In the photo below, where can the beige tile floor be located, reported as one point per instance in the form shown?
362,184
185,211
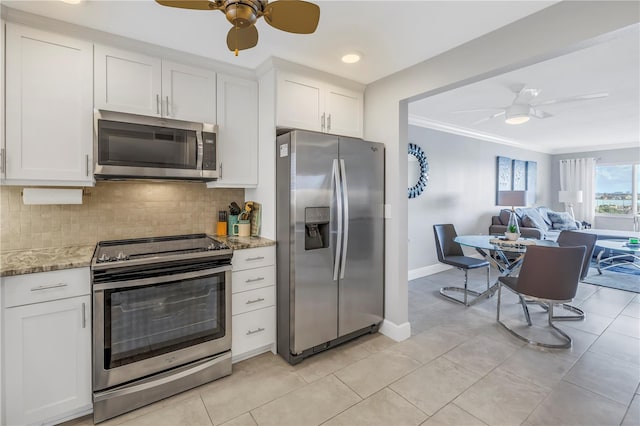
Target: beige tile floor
458,368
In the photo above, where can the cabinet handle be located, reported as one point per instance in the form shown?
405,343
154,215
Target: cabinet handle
253,280
158,103
259,299
48,287
329,122
254,258
168,113
257,330
84,316
220,170
87,163
322,122
2,160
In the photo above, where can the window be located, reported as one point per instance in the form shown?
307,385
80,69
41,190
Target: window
617,188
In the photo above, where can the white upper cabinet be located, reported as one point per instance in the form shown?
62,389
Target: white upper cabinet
310,104
127,81
49,127
237,132
188,93
139,84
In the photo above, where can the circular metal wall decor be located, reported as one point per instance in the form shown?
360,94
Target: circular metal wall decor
423,176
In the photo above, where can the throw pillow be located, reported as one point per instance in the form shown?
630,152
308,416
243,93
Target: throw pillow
532,222
535,217
504,216
562,221
544,212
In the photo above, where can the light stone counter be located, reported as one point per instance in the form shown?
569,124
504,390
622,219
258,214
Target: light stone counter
18,262
239,243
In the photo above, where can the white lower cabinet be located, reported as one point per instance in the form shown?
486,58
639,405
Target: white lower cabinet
253,302
47,347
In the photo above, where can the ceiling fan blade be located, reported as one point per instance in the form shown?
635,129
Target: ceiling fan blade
574,99
497,114
477,110
189,4
242,38
538,113
294,16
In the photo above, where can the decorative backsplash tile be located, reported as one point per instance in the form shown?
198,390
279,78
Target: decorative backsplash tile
113,210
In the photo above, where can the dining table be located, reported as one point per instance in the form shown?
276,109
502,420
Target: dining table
504,254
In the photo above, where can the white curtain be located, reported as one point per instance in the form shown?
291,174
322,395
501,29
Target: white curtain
579,175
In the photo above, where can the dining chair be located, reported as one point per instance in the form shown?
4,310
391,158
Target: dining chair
549,276
450,253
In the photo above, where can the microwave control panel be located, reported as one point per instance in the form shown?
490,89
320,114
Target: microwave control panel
209,154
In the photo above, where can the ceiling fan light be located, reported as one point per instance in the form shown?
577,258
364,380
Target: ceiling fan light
521,119
351,58
517,114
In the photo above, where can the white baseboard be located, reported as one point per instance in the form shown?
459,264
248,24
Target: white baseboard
396,332
434,269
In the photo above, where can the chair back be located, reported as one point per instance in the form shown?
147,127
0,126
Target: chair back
551,272
445,246
572,239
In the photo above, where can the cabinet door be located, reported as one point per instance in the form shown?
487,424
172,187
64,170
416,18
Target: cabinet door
48,358
127,82
49,80
344,112
237,132
300,102
188,93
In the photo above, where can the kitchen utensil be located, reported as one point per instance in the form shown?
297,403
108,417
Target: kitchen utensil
234,208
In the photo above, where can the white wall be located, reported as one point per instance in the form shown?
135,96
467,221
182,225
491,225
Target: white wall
563,27
461,190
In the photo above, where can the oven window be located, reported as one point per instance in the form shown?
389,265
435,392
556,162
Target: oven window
139,145
143,322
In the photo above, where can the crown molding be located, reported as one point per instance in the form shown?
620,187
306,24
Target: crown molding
416,120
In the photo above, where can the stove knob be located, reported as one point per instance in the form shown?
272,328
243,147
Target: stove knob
211,246
103,258
121,256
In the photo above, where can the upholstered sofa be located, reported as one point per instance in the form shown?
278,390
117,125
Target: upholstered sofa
536,222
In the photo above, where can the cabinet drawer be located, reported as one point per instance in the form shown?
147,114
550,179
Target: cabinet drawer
251,279
253,300
253,258
253,330
45,286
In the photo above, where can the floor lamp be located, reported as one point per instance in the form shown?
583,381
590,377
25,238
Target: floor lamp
570,198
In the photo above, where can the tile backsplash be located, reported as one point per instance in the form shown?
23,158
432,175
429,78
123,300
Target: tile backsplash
113,210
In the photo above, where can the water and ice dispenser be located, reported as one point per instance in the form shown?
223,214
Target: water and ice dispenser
316,227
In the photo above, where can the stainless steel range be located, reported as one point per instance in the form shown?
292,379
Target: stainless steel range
161,319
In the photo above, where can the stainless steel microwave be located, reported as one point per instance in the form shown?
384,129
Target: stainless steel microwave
139,147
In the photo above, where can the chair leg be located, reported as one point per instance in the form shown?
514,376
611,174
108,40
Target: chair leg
488,277
564,337
580,315
465,291
499,295
525,309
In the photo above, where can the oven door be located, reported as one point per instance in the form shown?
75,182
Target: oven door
145,326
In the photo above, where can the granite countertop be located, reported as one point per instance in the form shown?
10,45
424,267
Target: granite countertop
29,261
18,262
239,243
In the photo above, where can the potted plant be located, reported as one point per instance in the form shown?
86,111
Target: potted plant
513,233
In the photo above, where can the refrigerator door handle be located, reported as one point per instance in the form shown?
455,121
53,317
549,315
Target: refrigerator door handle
345,193
338,192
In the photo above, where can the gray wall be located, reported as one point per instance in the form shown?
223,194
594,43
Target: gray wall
461,188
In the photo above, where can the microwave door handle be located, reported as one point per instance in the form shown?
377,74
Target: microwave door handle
199,152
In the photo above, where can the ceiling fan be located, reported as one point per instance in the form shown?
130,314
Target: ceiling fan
294,16
524,105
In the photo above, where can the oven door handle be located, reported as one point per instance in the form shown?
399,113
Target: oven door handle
159,280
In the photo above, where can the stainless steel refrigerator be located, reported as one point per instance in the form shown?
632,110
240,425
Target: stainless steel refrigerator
330,232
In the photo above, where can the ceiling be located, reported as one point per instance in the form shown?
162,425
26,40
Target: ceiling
612,66
390,35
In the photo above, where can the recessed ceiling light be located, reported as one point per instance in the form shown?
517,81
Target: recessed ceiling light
351,58
73,1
